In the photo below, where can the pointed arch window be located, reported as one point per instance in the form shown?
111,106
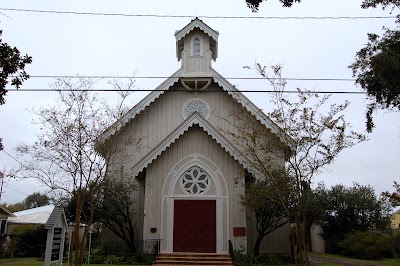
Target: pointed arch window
197,46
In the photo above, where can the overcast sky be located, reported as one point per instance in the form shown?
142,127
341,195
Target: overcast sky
66,44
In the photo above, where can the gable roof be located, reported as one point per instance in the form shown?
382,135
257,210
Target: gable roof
197,23
4,211
38,215
53,218
139,107
193,119
221,81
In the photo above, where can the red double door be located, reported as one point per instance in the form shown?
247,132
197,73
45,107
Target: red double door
195,226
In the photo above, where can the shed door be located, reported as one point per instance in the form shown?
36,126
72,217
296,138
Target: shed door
195,226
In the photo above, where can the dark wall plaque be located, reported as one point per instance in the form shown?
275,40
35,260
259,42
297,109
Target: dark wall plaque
239,231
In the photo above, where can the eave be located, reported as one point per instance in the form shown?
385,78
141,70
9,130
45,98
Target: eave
194,119
139,107
218,79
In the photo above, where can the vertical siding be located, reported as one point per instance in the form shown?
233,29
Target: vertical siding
165,114
197,141
277,242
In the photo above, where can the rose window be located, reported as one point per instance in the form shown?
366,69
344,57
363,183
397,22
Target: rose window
196,105
195,181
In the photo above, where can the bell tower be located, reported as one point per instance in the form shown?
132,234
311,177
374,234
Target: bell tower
196,47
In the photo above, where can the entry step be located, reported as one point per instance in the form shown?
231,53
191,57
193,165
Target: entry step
193,259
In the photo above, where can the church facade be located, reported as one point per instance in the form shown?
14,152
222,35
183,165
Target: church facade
188,165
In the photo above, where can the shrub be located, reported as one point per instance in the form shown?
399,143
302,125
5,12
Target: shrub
30,240
112,260
241,257
366,245
395,245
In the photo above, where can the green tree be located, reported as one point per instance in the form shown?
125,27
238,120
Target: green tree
36,199
377,66
255,4
33,200
268,212
119,211
14,207
348,209
11,63
393,197
377,71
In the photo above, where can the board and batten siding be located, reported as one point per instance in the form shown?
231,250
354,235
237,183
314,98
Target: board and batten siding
164,115
277,243
195,141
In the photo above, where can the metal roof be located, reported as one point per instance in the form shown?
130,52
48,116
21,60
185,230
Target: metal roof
38,215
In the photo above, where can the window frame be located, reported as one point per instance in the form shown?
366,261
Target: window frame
192,54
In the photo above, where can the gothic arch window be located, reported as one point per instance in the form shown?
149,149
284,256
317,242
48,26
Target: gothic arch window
196,46
196,105
195,181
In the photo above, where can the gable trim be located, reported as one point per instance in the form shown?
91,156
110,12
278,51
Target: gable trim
196,23
251,107
194,119
221,81
139,107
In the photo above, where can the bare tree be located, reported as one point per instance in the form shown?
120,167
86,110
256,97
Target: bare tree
311,133
63,156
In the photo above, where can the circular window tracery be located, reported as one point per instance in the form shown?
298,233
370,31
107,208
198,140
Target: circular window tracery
195,181
196,105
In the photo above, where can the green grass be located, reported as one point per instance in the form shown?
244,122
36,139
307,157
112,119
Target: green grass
383,261
35,262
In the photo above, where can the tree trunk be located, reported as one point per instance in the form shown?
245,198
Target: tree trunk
256,250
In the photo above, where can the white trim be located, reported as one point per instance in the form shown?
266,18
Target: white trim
226,86
168,194
198,100
139,107
192,46
193,119
197,23
251,107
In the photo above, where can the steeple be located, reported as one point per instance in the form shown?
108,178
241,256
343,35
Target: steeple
196,46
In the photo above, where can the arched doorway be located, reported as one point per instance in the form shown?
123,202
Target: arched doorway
194,208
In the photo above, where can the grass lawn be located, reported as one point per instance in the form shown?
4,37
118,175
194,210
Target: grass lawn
336,259
35,262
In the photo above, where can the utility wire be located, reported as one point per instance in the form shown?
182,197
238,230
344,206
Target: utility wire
186,16
164,77
23,165
176,90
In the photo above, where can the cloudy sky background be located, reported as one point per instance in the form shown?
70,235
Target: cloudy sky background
66,44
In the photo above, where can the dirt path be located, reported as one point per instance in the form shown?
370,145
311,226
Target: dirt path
316,259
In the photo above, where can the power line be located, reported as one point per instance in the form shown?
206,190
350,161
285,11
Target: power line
186,16
176,90
165,77
7,186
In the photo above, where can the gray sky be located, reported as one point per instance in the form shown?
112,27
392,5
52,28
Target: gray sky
62,44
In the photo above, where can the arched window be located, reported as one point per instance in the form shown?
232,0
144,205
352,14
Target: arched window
196,47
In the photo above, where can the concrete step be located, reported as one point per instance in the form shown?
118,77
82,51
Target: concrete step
193,259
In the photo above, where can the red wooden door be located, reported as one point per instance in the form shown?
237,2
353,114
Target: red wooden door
195,226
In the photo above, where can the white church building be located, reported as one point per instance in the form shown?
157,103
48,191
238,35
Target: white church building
189,168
